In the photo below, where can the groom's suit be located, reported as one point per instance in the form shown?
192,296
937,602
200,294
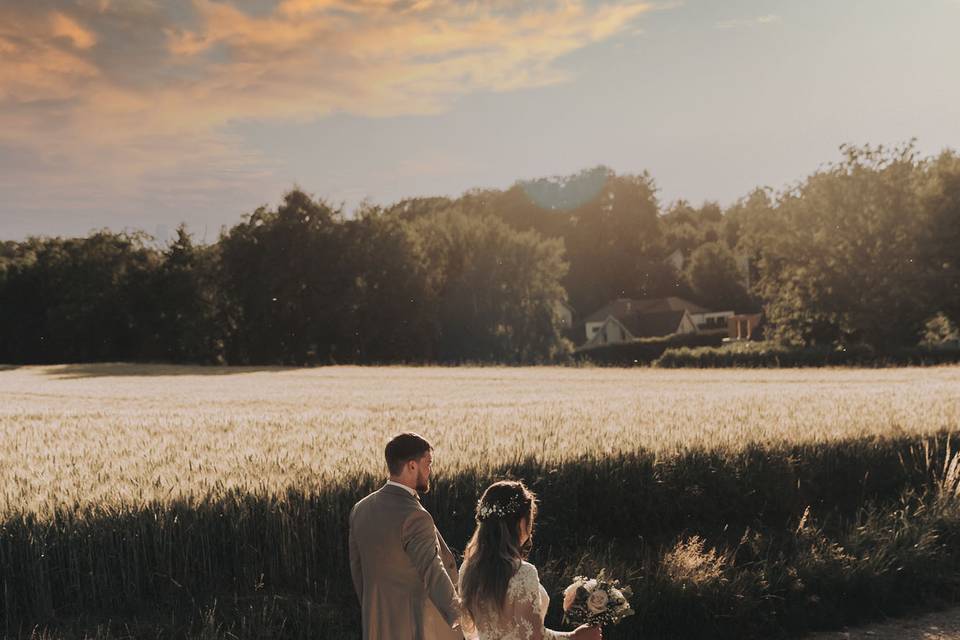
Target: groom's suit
403,571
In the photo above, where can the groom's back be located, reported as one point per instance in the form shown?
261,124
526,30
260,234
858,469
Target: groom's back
376,524
390,534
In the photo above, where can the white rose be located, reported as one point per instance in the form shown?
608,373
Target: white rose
597,602
590,584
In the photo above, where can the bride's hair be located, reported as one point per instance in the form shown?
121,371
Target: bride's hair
494,552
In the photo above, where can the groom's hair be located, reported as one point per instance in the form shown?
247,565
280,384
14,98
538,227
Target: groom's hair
403,448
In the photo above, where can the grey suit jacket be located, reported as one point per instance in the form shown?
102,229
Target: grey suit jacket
403,571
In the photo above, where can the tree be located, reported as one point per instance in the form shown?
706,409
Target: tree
390,317
285,278
189,291
79,299
941,195
714,278
842,259
494,290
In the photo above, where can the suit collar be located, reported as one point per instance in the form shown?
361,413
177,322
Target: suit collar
412,492
392,489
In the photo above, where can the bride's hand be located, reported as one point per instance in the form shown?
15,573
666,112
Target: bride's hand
584,632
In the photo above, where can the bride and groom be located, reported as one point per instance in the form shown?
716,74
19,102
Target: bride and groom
407,579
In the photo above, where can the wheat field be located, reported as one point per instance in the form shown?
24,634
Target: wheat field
192,502
77,435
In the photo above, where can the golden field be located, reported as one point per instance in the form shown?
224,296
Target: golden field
98,434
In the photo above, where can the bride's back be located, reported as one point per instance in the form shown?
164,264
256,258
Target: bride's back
519,616
501,591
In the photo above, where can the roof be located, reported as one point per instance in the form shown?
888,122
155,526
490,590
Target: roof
622,307
649,325
618,308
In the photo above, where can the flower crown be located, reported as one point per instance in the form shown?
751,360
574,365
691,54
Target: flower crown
514,505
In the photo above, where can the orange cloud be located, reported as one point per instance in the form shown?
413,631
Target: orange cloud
383,57
63,26
41,60
138,107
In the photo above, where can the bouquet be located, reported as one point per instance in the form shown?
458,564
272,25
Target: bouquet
596,601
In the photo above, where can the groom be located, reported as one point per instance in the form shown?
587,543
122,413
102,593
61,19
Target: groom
403,571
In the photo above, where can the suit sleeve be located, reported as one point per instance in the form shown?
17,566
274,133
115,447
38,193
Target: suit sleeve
356,571
419,538
449,562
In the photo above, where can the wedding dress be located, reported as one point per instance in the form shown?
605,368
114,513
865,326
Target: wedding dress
523,613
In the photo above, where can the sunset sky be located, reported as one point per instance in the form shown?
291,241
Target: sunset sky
145,113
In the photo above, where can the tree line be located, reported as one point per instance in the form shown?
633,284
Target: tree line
863,251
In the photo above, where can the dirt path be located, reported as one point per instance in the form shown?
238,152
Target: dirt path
944,625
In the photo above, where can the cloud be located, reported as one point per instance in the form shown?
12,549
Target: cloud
108,96
746,23
63,26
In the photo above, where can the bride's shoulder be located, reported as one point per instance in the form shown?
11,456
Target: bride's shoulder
525,583
527,571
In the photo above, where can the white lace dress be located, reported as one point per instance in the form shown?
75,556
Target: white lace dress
523,612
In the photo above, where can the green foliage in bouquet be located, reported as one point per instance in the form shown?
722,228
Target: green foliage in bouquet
598,602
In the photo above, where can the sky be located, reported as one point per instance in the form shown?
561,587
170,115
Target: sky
142,114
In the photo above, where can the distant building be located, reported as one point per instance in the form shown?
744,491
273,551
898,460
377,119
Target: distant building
744,326
627,319
646,325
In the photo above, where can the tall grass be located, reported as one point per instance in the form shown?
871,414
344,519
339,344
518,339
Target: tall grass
696,550
161,502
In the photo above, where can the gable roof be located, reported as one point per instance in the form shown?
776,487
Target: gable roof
618,308
650,325
622,307
659,305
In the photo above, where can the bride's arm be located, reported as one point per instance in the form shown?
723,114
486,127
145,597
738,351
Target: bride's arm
527,607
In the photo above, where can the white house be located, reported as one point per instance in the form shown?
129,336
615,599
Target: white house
641,325
628,319
712,320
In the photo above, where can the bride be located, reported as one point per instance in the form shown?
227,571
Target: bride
501,592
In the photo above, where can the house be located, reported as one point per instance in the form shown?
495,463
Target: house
712,321
744,326
640,325
653,317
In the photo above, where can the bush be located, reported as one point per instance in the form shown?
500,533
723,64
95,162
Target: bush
940,333
769,355
645,350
